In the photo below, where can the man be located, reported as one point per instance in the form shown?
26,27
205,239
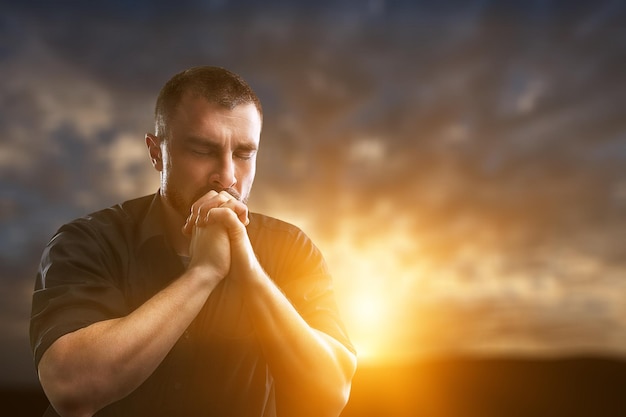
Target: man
183,303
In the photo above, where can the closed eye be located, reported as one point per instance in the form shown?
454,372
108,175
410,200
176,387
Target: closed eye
244,156
202,152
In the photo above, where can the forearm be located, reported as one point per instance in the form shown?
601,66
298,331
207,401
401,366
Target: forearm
92,367
312,370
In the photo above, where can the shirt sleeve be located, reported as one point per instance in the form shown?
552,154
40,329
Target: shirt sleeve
297,266
75,286
312,293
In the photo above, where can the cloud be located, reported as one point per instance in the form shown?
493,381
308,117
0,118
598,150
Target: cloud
129,172
43,85
468,169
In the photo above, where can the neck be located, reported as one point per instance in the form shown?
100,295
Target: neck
174,223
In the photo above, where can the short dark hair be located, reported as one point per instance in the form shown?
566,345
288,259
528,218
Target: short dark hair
217,85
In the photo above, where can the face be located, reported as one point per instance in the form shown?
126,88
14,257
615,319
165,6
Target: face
208,148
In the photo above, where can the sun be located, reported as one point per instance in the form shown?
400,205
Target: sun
366,315
374,285
368,308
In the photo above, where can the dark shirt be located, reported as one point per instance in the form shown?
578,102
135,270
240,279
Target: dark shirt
107,264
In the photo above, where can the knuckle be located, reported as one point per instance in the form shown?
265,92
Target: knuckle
226,195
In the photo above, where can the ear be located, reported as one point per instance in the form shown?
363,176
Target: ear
154,149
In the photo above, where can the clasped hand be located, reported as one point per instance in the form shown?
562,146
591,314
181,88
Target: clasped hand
218,234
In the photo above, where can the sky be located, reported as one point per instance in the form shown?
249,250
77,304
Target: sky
461,164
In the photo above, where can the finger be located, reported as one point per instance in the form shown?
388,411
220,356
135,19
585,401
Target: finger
240,209
204,217
208,201
226,217
188,226
200,208
228,195
195,210
205,203
237,233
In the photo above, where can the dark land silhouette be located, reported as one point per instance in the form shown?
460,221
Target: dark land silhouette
458,387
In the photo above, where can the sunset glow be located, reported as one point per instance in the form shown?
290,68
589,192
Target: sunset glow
401,300
375,287
367,316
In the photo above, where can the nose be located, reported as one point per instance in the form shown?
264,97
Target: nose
224,174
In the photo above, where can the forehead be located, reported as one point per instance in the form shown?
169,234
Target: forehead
196,115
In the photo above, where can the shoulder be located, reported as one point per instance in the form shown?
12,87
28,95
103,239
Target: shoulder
264,228
263,222
127,212
282,246
119,215
110,227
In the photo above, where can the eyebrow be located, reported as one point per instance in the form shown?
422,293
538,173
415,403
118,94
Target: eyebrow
208,144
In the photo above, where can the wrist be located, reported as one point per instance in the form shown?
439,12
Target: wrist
205,276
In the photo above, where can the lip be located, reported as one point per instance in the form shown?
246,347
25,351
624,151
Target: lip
232,192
